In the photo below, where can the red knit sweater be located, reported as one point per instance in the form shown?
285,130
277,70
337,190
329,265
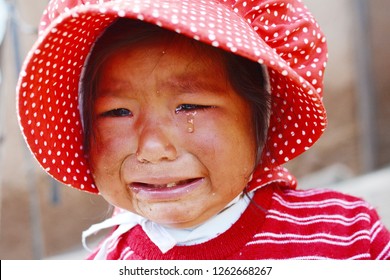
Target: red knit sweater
298,224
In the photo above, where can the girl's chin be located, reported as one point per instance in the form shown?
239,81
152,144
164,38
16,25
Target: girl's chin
175,216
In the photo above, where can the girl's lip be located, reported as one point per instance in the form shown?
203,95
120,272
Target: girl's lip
165,192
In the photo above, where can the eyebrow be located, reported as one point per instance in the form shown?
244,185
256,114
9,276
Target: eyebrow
187,84
191,83
114,87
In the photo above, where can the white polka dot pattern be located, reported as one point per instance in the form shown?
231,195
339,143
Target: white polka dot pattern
280,34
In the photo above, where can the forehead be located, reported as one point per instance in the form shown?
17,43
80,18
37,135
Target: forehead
165,42
175,58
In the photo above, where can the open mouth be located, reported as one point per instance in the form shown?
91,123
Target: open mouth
177,184
171,191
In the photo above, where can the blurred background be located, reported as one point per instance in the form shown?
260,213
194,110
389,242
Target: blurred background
40,219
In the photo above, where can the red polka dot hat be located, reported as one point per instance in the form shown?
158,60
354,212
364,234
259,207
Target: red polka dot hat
280,34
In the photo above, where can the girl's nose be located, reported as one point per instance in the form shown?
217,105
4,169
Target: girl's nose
155,145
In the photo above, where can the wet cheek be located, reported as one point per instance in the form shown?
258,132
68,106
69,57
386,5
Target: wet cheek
108,150
113,139
222,144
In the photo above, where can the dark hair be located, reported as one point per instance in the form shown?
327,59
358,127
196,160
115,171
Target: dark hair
246,77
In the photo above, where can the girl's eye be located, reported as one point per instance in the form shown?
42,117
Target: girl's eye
120,112
190,107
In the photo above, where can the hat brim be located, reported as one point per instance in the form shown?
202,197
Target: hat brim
48,102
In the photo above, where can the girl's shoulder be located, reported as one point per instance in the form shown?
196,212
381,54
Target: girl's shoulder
322,224
318,195
321,201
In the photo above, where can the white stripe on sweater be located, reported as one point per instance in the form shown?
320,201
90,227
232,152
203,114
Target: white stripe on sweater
385,253
309,258
126,253
307,193
312,238
360,256
315,240
331,219
355,257
321,203
376,228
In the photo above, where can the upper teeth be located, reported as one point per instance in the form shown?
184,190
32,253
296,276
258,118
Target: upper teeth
170,185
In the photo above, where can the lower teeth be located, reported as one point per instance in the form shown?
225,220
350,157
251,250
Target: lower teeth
170,185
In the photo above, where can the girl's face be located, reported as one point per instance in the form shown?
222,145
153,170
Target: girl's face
173,142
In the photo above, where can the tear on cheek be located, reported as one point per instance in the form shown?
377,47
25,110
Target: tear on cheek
190,122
